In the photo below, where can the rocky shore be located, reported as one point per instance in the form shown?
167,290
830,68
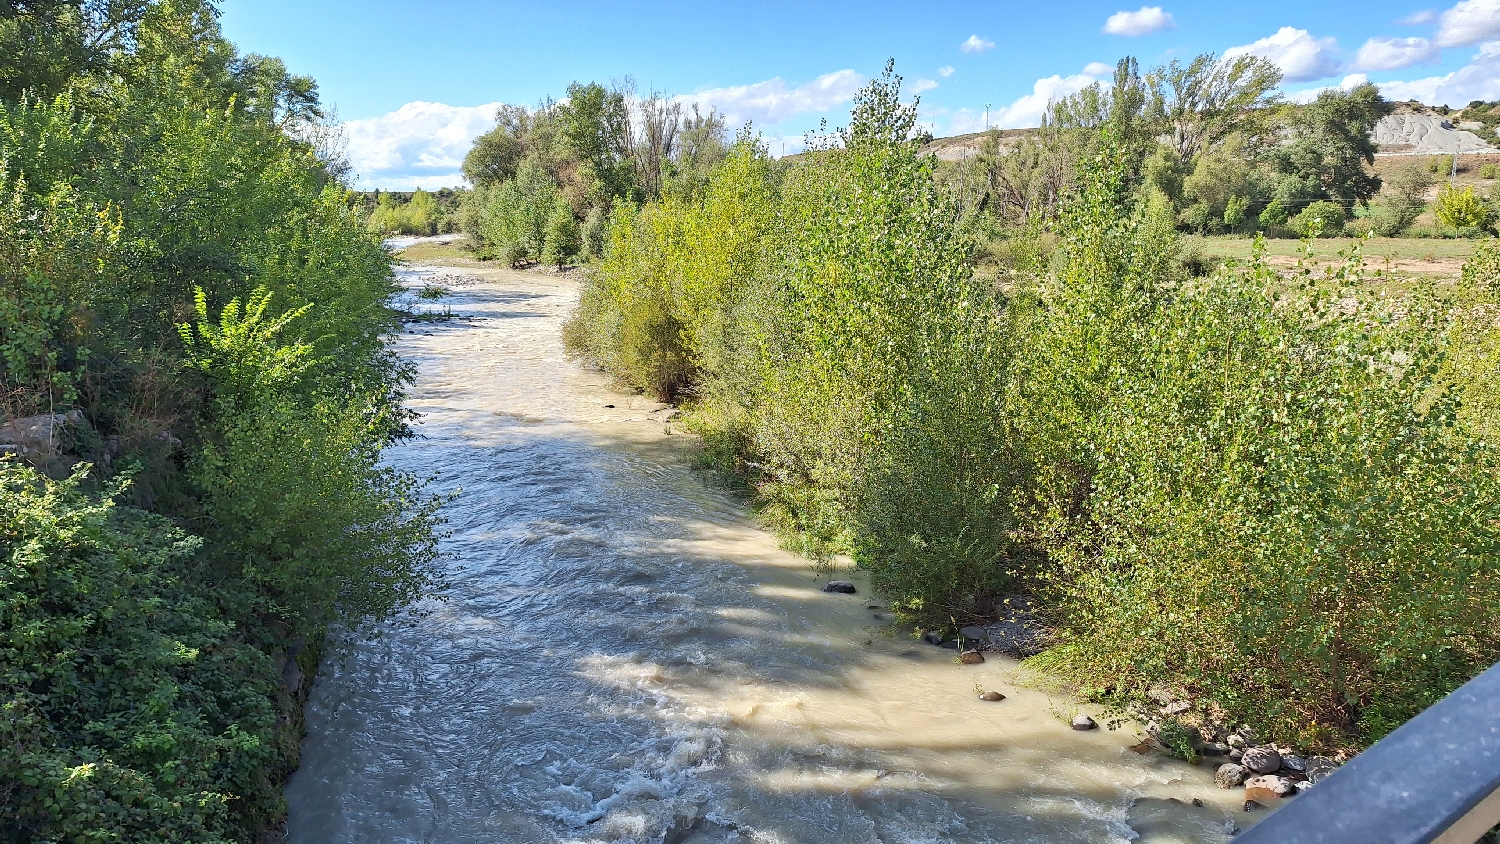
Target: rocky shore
1267,772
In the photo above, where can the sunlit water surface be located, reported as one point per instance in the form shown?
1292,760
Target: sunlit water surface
621,655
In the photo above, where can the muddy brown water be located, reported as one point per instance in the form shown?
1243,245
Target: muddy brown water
622,655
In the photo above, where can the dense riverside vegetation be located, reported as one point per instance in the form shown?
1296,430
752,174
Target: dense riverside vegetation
546,180
192,315
1277,494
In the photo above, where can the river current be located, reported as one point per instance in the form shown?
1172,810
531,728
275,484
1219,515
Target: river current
621,655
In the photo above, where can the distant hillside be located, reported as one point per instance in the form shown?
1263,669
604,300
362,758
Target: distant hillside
1410,129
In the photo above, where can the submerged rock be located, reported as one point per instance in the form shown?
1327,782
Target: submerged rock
971,657
1083,722
841,586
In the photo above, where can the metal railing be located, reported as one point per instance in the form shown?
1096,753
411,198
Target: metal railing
1435,779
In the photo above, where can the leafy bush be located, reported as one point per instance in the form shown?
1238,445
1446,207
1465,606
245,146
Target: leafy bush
134,709
1279,498
138,664
1319,219
418,216
1274,215
562,236
1460,209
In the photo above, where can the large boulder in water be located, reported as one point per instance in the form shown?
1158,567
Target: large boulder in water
841,586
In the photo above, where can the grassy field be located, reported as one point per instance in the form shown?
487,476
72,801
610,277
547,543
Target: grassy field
447,254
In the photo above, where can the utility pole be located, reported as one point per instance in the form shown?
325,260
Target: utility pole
986,117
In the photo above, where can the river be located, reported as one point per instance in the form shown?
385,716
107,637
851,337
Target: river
622,655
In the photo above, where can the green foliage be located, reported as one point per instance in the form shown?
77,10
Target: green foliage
563,238
1330,149
133,708
1280,500
1460,209
594,125
1319,219
1402,201
512,217
419,216
136,663
1274,215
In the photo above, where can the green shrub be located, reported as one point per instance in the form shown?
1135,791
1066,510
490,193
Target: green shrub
1489,171
1319,219
418,215
1198,218
1461,209
1259,500
1274,215
562,237
138,670
1280,500
134,709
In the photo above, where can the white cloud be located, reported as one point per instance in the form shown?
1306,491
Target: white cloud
1028,110
772,101
1395,53
1144,21
945,71
1469,22
923,85
975,44
1477,80
1419,18
1300,56
1099,69
418,145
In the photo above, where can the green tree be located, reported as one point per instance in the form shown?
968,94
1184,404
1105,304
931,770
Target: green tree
1199,105
497,154
1460,209
562,237
1402,200
594,124
1330,149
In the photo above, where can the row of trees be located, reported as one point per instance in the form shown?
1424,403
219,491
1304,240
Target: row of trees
547,179
1218,145
194,311
1279,498
417,213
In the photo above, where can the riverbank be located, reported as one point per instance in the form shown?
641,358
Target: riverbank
623,654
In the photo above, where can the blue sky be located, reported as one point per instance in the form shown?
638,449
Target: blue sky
416,82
